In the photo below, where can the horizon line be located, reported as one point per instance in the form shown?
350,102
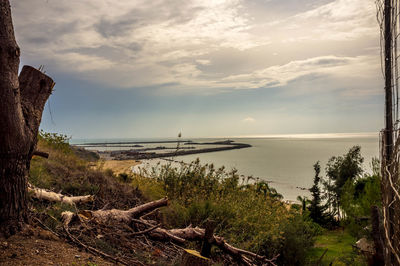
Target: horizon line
259,136
313,135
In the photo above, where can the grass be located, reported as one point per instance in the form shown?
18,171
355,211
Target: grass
340,251
69,171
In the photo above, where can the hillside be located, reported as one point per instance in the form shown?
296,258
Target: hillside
247,213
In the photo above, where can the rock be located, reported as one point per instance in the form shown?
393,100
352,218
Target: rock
365,246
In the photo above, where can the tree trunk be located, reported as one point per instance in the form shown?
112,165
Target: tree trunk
21,106
12,194
378,257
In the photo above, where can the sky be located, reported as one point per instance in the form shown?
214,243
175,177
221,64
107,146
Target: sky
205,68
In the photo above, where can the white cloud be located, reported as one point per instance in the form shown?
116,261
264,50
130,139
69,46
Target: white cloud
249,120
342,68
167,36
203,61
339,20
185,45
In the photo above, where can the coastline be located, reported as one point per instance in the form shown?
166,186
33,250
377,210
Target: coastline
118,166
139,152
284,163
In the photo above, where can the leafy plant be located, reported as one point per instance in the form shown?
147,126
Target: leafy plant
249,213
316,208
339,170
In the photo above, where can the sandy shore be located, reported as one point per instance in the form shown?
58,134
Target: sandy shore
119,166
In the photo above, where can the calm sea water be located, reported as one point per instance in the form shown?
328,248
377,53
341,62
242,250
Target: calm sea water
285,162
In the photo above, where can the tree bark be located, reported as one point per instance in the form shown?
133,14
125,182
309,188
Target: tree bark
378,257
21,106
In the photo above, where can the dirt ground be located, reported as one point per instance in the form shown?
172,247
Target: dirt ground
40,247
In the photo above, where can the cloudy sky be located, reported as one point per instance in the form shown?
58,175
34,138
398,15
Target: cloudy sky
139,68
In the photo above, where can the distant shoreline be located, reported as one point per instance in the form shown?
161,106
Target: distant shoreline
149,153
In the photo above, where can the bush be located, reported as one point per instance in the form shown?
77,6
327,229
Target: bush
299,232
248,213
358,197
55,141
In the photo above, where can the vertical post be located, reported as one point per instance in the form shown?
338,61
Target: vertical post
387,193
388,82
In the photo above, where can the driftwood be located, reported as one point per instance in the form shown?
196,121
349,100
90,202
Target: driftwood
43,194
132,216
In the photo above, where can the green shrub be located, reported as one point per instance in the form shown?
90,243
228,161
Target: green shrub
357,199
299,237
55,140
248,212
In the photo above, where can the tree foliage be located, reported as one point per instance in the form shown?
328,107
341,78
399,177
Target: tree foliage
340,170
316,208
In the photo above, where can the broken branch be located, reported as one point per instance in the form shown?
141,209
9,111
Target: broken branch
43,194
41,154
124,216
178,235
67,218
144,231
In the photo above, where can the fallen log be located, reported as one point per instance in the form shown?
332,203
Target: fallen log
181,235
124,215
43,194
198,234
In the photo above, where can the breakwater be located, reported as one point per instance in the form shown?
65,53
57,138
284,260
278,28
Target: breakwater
182,148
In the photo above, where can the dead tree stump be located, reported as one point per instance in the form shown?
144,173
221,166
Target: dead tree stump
22,100
208,239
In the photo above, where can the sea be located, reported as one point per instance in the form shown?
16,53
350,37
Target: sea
285,161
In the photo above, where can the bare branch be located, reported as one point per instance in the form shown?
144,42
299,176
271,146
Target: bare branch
41,154
43,194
